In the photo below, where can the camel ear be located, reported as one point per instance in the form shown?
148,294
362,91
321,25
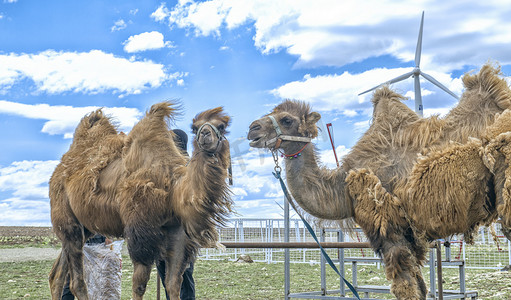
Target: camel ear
310,121
313,117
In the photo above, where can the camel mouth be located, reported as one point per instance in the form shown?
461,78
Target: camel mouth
258,141
255,142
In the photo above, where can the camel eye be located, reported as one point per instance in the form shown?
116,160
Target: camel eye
221,127
194,130
286,121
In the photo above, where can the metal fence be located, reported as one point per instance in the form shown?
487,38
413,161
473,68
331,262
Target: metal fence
486,253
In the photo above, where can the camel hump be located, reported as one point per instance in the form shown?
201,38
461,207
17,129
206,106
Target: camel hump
163,109
489,80
95,116
155,120
95,124
385,93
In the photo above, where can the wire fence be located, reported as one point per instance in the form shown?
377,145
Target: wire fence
488,252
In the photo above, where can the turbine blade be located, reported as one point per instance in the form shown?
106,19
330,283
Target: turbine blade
418,50
394,80
418,97
435,82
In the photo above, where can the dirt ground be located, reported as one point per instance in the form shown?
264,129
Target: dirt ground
23,235
24,243
25,231
28,254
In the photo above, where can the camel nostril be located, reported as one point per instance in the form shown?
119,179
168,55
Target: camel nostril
254,127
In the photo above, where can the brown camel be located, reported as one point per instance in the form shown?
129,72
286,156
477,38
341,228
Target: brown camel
139,186
374,186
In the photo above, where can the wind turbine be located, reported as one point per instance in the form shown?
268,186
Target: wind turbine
416,72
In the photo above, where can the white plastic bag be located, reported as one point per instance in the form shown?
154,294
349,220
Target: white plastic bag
102,269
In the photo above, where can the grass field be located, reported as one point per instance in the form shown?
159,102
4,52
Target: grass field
231,280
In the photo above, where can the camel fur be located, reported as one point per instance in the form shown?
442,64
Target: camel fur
407,180
497,157
140,187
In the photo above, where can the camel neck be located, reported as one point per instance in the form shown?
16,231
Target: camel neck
318,190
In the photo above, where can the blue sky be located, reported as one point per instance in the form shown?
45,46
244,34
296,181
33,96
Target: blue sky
62,59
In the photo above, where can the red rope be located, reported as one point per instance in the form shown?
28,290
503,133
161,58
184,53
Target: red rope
294,155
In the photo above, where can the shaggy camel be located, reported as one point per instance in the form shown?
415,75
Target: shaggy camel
140,187
364,188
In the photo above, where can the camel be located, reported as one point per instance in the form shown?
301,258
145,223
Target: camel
140,187
378,184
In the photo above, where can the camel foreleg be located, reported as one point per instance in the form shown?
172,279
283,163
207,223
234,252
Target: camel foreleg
74,254
381,216
69,264
57,277
176,261
141,275
404,272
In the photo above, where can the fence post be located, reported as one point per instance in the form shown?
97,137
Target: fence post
236,229
287,279
323,261
340,238
509,252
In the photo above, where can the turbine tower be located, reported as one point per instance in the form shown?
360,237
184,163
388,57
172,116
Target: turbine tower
416,72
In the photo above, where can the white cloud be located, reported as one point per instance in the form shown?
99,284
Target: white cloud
118,25
80,72
64,119
27,179
335,33
145,41
428,112
340,92
362,126
24,212
253,172
260,208
207,17
27,182
161,13
327,157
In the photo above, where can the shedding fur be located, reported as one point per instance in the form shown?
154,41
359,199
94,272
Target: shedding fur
140,187
408,180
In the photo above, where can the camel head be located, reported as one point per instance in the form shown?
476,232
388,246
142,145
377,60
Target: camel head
209,128
289,122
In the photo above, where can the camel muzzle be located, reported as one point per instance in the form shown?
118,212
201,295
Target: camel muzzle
206,138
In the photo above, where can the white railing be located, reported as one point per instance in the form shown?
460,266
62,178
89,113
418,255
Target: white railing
486,253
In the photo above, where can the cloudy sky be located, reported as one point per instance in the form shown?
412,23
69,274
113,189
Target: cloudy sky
62,59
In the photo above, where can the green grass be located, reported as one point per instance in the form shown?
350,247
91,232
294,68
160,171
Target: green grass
230,280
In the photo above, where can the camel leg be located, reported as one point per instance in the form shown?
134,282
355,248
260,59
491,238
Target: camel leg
70,262
401,267
141,275
57,277
74,251
506,231
176,261
423,289
175,267
379,214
